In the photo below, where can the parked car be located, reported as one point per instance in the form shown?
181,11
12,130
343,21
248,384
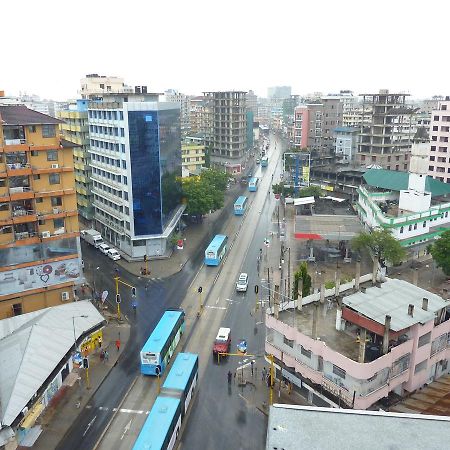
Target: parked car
113,254
104,248
222,343
242,283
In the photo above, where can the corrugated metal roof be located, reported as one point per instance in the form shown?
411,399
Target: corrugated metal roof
397,181
21,115
392,299
32,345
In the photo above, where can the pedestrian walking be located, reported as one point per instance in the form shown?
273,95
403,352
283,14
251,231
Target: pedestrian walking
252,363
106,356
264,374
118,344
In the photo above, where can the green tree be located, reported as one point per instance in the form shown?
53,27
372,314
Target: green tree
382,244
440,251
216,178
310,191
301,274
197,196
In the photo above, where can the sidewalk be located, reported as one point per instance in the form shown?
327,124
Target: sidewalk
58,418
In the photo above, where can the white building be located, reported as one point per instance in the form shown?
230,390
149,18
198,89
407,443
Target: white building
346,143
135,149
94,84
412,205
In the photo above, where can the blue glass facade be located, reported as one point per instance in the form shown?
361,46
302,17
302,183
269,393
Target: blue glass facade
155,155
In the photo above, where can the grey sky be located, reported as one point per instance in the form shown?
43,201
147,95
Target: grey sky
202,45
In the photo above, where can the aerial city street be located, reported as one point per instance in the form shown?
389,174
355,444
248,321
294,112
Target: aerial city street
219,246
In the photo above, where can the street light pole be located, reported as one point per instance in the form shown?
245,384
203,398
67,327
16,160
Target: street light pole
74,335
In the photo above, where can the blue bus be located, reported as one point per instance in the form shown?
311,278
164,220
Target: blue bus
264,161
182,380
216,250
160,346
253,184
239,205
162,426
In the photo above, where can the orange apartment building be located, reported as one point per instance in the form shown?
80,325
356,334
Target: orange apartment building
40,261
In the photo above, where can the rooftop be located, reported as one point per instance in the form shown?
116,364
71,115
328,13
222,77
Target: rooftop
292,427
397,181
392,298
21,115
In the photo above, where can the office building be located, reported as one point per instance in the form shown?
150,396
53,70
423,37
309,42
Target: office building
227,137
439,153
135,148
39,236
76,129
389,135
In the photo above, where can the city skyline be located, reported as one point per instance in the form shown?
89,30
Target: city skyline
313,47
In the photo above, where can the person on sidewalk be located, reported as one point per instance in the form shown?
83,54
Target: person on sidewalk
106,356
118,344
252,363
264,374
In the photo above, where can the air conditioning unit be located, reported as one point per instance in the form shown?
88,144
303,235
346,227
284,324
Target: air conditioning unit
65,296
45,234
55,166
56,211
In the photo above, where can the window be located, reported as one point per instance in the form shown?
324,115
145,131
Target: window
58,223
288,342
125,180
39,200
48,131
122,148
52,155
433,148
420,366
435,128
6,230
34,153
41,221
443,107
4,206
36,177
124,164
431,168
415,226
305,352
339,372
17,309
397,167
56,201
432,158
424,224
424,339
405,166
389,159
122,132
125,195
54,178
401,229
409,227
32,128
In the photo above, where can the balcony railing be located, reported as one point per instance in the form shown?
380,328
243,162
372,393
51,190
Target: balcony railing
23,212
25,235
17,165
17,190
15,141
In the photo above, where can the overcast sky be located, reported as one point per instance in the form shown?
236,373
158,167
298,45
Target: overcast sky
201,45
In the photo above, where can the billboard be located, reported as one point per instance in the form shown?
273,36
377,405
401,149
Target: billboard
40,276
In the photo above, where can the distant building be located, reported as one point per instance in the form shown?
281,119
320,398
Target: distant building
360,343
185,108
192,155
76,129
386,141
252,102
279,92
227,137
40,264
346,143
331,118
308,126
439,161
135,147
94,84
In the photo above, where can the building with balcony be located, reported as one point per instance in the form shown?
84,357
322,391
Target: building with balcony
76,129
227,140
308,126
360,343
39,235
414,206
346,143
439,153
192,155
386,141
135,148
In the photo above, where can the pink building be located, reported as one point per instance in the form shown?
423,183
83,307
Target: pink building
439,159
301,125
362,346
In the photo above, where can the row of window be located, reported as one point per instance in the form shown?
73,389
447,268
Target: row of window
52,155
109,161
108,145
440,159
105,115
118,208
117,222
110,176
110,131
411,226
444,129
110,190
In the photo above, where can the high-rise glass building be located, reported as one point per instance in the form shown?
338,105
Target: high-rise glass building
135,146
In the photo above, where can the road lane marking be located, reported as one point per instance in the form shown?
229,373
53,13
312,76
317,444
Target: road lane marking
215,307
131,411
126,429
217,301
89,426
